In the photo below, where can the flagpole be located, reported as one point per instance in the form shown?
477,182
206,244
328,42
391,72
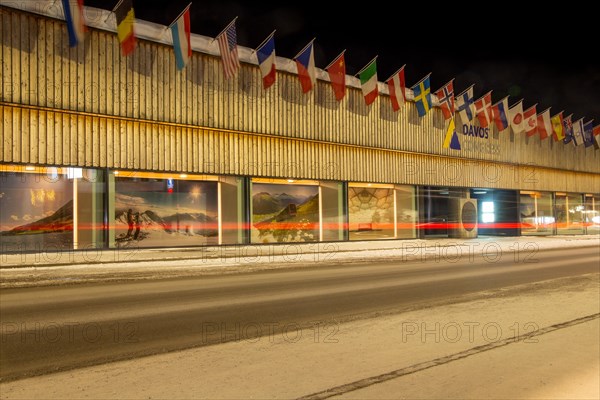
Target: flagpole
445,84
264,41
504,98
365,67
305,47
517,103
335,59
113,10
224,30
180,14
466,90
399,69
425,77
117,6
490,92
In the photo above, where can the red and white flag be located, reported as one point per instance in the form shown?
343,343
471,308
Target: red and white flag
397,88
544,125
516,117
446,98
483,109
530,121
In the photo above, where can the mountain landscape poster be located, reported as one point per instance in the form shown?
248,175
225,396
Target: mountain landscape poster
154,212
285,213
37,212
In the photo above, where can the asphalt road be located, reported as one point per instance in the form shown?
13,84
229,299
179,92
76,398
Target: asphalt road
58,328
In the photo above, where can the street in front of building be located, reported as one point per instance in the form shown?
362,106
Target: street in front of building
361,327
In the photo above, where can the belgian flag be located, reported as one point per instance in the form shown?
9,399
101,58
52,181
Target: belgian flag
125,20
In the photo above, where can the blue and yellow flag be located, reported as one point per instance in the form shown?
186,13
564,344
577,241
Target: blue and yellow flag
422,95
451,139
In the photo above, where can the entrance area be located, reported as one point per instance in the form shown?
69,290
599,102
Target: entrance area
498,211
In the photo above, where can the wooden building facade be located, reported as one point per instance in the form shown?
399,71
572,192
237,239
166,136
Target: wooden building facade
89,107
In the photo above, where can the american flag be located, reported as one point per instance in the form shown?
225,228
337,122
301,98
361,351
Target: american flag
228,47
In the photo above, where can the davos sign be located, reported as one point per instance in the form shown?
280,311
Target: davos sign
473,134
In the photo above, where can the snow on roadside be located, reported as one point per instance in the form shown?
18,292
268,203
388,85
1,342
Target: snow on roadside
22,270
304,361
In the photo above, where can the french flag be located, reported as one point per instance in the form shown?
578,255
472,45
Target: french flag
500,114
305,61
266,61
75,22
181,39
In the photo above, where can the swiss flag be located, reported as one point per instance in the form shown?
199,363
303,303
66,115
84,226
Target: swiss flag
544,125
530,118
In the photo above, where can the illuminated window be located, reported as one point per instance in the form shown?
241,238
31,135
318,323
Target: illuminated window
487,212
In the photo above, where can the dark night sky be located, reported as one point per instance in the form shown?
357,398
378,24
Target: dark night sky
544,59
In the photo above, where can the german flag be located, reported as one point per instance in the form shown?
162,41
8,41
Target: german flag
125,18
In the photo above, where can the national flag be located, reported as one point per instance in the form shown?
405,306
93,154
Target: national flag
464,105
596,133
516,117
544,125
337,76
75,21
483,109
445,96
305,61
181,31
265,53
368,81
530,118
588,133
578,132
451,139
500,114
125,26
397,88
422,96
557,127
568,125
228,47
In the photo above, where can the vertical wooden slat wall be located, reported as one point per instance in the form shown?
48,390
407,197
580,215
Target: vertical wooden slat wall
89,106
269,156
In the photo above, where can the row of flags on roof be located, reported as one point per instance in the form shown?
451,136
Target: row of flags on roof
528,121
520,120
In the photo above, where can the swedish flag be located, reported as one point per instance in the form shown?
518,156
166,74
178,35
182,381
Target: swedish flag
422,95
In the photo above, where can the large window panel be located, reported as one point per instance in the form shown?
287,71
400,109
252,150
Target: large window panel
47,208
406,212
333,214
592,214
158,210
370,211
232,207
284,211
568,209
536,212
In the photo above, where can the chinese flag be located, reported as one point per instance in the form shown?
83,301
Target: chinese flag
337,76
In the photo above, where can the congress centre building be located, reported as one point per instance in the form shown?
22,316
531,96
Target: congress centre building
101,150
